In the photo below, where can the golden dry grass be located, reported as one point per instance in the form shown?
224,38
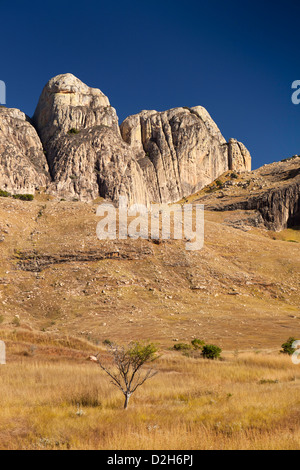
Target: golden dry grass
247,401
240,292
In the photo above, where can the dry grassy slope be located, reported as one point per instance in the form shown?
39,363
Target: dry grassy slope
241,291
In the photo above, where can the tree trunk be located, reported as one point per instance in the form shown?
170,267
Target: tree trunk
127,397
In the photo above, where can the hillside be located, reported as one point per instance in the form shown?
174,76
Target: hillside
241,291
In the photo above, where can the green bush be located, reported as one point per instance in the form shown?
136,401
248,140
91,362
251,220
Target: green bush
4,194
210,351
197,343
234,175
219,183
73,131
24,197
287,347
182,347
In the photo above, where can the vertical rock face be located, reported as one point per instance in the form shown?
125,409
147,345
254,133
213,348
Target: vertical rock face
153,156
181,151
86,154
239,156
23,165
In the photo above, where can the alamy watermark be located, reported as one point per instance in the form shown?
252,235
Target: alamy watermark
296,354
296,94
2,93
159,221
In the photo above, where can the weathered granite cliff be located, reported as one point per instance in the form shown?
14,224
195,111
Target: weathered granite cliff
153,156
86,153
23,165
181,151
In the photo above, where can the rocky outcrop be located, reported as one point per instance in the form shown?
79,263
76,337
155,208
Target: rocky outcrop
272,192
279,204
23,165
239,158
86,154
181,150
153,156
36,262
280,207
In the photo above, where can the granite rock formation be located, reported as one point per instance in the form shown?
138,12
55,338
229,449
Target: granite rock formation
181,151
152,156
239,158
23,165
86,153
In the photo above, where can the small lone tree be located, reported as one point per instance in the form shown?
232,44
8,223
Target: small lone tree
128,361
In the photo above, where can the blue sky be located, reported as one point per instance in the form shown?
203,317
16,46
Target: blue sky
237,59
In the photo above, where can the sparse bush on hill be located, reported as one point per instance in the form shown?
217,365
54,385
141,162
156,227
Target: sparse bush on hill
197,343
207,351
4,193
287,346
73,131
210,351
24,197
182,347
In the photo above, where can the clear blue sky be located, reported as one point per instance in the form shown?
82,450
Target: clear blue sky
236,58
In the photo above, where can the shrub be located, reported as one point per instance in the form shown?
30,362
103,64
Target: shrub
73,131
24,197
197,343
234,175
219,183
182,347
210,351
268,382
4,194
287,347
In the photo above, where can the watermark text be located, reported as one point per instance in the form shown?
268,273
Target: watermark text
159,221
